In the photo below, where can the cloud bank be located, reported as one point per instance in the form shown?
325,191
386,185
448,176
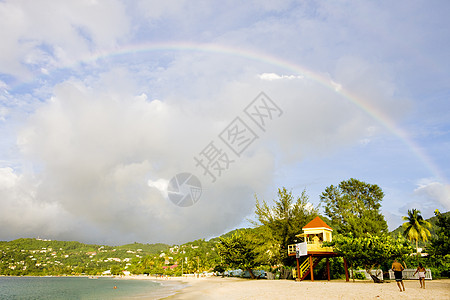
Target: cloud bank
92,134
102,157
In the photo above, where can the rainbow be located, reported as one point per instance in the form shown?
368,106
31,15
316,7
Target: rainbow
367,107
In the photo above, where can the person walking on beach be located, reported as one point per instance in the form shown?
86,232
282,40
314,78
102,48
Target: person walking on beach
398,268
421,270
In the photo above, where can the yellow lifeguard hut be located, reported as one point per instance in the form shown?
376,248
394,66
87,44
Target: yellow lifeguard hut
314,234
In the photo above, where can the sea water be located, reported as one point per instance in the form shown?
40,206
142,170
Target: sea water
50,288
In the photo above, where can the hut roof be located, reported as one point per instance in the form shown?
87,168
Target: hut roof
317,223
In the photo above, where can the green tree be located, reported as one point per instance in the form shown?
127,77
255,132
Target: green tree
116,270
354,206
416,227
282,221
439,247
369,251
239,251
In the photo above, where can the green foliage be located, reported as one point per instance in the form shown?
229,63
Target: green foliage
116,270
219,268
433,230
281,222
337,270
416,228
239,251
359,275
43,257
439,247
370,251
46,257
440,243
354,207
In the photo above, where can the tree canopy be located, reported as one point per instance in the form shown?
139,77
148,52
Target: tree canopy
282,221
354,206
370,251
239,251
439,247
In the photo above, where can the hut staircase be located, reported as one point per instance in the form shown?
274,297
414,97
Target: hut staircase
305,266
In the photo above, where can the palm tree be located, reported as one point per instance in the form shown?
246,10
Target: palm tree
415,227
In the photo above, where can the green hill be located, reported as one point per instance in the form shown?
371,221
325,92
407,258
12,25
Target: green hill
432,220
27,256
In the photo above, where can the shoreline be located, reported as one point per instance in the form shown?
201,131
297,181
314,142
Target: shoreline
173,288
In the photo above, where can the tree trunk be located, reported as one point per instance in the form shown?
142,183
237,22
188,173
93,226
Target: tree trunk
417,249
251,273
374,277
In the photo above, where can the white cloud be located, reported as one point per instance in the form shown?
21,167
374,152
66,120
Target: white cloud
3,113
309,206
52,34
18,202
106,152
160,184
364,142
7,178
98,150
274,76
434,192
106,155
337,86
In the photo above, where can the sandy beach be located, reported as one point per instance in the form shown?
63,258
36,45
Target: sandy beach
235,288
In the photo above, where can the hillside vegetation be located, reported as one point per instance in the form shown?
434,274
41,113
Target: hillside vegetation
434,227
30,256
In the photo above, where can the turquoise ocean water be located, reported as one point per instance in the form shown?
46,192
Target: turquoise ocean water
51,288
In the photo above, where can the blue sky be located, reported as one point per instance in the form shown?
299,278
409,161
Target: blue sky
103,103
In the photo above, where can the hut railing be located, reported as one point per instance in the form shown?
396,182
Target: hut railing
313,247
